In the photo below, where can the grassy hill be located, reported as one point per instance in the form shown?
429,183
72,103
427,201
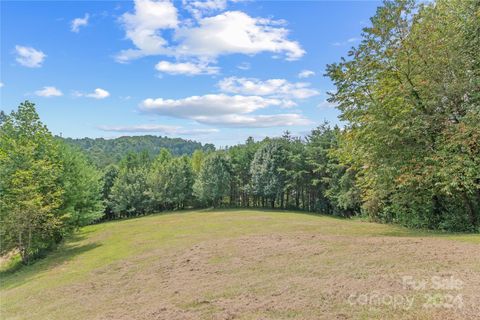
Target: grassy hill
236,264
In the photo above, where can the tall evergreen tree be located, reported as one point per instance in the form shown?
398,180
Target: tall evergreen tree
212,183
268,181
241,157
110,173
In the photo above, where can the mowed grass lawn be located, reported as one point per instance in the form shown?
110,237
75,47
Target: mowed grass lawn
246,264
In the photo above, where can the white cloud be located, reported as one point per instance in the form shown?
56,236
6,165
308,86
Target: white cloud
187,68
1,84
98,93
256,121
29,57
79,22
225,110
143,28
306,74
229,32
49,92
280,88
207,105
235,32
165,129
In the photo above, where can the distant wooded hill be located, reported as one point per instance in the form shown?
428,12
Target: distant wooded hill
103,152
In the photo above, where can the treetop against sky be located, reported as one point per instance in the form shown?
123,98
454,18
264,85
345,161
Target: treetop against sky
215,70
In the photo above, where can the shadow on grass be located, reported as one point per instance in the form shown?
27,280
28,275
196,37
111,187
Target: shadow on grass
19,273
276,210
151,215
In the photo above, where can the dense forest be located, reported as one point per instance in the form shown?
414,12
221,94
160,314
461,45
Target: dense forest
409,154
103,152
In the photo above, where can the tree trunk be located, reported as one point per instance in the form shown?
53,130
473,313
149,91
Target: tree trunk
471,210
303,198
21,247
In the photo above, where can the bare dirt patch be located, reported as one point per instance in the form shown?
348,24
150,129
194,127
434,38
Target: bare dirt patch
296,275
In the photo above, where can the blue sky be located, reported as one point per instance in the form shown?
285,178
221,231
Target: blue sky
215,71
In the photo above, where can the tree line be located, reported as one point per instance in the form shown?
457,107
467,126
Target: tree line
285,173
409,152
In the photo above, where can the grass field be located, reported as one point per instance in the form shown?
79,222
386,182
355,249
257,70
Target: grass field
242,264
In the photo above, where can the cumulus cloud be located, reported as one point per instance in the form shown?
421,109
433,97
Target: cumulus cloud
49,92
280,88
159,128
207,105
224,110
98,93
186,68
144,25
29,57
1,84
206,38
306,74
235,32
79,22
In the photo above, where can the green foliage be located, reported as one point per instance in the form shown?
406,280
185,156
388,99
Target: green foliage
82,203
299,185
103,152
170,181
30,174
267,180
197,160
333,183
109,175
241,157
46,189
410,93
134,160
129,196
213,181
